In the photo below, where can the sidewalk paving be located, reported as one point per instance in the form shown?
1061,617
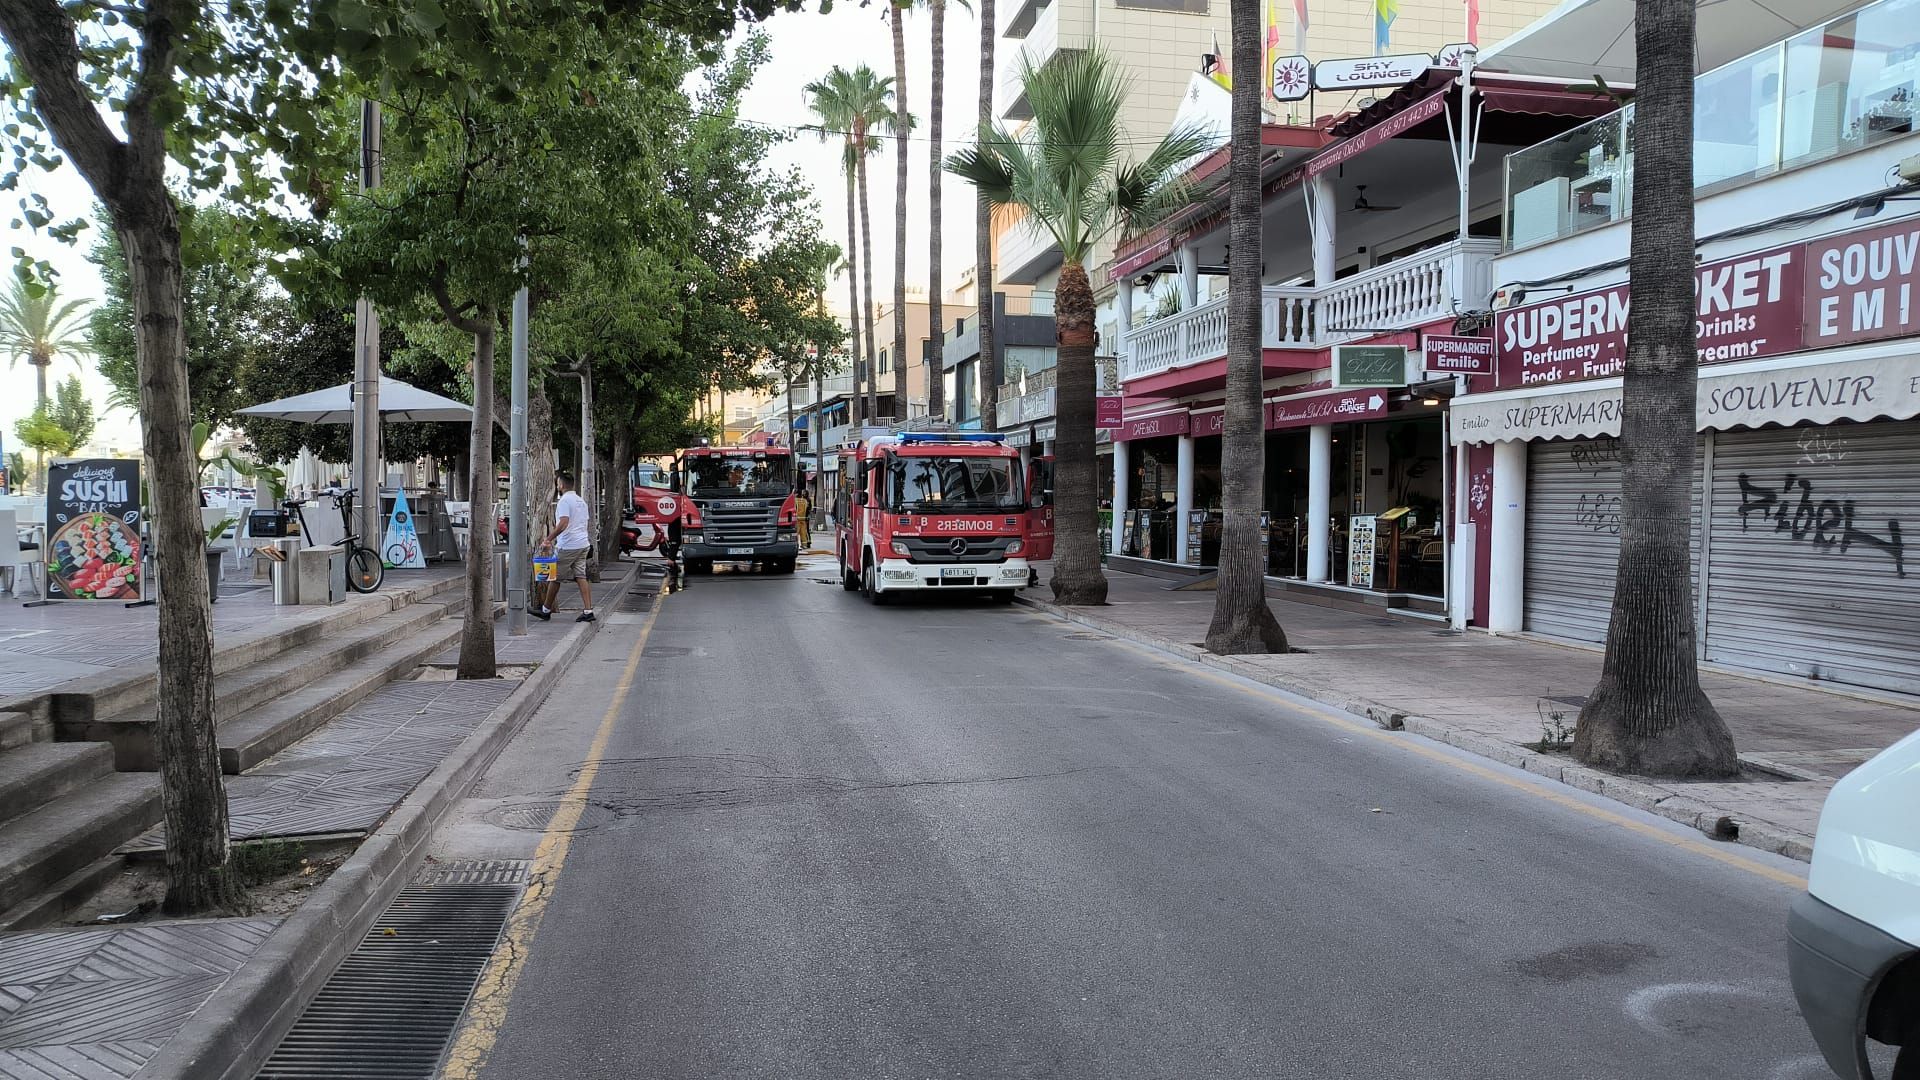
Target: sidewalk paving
1490,695
44,647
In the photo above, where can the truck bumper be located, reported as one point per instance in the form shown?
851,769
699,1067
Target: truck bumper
1836,962
899,575
786,549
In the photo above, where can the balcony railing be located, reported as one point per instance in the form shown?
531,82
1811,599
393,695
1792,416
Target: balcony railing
1404,293
1851,83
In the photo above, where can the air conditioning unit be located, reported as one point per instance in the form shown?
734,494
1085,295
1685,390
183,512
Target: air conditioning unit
1909,169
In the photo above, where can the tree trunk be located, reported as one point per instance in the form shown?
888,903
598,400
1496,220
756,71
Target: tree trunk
199,878
1649,715
1242,620
476,634
854,263
819,429
983,241
614,495
540,467
865,315
900,143
936,95
1077,578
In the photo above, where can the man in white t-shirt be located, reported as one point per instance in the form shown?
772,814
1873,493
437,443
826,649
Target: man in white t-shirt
575,542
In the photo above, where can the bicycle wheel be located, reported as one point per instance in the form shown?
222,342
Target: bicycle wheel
364,570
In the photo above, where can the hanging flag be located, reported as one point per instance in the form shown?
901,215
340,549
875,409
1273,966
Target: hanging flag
1473,22
1270,50
1220,70
1300,26
1384,12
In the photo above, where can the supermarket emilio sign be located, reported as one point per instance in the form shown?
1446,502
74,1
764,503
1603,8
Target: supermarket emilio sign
1854,286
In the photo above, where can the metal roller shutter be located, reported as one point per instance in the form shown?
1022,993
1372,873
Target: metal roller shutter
1806,556
1573,536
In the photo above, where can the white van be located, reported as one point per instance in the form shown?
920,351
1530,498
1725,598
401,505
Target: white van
1853,940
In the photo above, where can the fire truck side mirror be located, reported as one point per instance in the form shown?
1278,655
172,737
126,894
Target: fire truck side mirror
860,498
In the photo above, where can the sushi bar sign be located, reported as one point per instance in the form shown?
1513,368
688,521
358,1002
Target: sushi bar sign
93,518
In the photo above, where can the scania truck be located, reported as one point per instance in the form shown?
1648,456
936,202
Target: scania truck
727,504
924,512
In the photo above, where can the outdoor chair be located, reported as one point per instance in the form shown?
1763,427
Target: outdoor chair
13,557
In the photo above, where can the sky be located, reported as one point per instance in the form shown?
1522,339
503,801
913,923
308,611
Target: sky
805,45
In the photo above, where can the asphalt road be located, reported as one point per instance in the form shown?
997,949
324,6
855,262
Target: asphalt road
837,841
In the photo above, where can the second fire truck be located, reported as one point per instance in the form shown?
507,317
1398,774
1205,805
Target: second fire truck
939,512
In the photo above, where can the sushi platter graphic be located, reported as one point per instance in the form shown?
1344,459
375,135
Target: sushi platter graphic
93,518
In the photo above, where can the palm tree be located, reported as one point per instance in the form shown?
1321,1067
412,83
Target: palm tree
897,17
1242,620
1649,714
983,239
40,330
855,105
936,103
1065,171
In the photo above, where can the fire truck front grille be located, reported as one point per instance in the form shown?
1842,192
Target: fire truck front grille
740,526
940,549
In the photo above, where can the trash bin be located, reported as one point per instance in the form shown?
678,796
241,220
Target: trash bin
286,575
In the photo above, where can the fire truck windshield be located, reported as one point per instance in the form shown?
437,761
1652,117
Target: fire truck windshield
951,483
718,476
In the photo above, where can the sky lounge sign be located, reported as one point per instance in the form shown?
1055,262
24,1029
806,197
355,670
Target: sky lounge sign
1370,71
1341,407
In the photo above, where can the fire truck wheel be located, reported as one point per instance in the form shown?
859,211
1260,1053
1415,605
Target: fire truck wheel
784,566
874,596
699,566
1003,596
848,580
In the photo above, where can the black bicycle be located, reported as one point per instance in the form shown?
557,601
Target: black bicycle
364,568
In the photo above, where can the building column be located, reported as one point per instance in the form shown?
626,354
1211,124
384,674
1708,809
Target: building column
1122,479
1182,497
1507,571
1324,214
1188,260
1319,499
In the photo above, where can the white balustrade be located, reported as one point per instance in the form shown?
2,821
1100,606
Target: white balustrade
1420,288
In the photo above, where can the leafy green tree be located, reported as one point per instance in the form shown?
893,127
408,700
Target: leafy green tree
73,412
228,309
1066,170
43,434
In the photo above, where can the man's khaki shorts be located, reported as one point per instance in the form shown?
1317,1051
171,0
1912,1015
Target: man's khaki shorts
571,564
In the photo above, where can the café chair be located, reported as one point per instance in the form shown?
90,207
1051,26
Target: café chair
13,556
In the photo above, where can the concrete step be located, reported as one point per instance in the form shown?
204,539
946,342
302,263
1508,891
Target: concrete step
16,729
251,739
34,775
239,692
39,849
111,693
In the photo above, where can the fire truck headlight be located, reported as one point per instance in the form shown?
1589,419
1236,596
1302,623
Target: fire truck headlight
692,538
900,548
789,535
1014,547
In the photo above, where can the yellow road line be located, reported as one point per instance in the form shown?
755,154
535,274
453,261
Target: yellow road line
487,1013
1538,788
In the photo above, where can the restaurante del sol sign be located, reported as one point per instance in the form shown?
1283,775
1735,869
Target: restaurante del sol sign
1855,286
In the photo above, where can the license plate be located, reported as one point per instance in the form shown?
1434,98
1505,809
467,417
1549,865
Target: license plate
739,551
957,572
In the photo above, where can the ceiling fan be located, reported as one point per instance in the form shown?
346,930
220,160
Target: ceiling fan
1361,205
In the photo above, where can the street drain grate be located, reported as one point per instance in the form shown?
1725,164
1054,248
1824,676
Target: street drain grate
390,1009
1086,637
638,600
475,872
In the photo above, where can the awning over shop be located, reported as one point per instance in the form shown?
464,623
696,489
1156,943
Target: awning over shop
1583,38
1870,383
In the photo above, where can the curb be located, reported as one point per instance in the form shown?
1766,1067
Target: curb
1639,794
239,1026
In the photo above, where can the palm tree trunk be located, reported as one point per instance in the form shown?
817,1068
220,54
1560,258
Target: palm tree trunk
854,263
476,632
900,142
1649,715
1077,578
1242,620
936,95
40,387
865,314
983,240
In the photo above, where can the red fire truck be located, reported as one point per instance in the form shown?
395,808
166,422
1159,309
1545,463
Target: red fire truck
728,504
938,511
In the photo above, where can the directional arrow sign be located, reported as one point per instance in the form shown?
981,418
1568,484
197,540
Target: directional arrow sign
1376,403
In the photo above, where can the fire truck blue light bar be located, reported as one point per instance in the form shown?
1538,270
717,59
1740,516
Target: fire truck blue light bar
952,436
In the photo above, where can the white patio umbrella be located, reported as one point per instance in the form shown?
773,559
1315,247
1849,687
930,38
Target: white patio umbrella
1583,38
334,405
